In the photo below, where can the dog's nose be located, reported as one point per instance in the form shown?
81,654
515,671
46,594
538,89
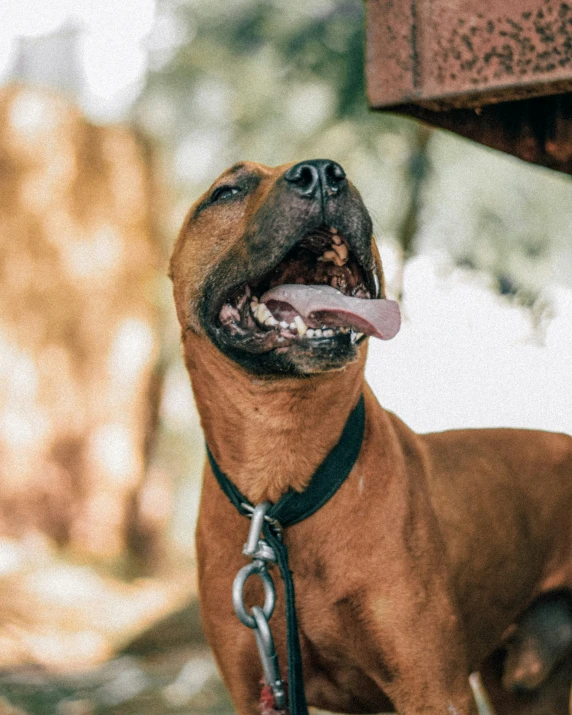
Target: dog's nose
308,177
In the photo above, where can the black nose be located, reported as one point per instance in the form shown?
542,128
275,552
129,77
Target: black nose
309,177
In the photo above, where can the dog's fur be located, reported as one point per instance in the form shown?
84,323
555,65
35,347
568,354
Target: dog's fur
407,578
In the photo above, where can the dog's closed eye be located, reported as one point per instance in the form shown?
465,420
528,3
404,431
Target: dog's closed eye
224,192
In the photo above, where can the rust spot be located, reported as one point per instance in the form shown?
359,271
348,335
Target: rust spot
522,46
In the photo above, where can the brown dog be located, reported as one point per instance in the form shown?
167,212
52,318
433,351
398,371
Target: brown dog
408,576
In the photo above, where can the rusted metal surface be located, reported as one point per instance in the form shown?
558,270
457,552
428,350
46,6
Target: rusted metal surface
497,71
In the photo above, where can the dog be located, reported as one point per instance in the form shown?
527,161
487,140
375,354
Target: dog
407,578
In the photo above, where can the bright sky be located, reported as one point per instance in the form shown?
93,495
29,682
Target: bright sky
113,42
468,357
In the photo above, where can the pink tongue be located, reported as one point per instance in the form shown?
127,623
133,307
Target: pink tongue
327,306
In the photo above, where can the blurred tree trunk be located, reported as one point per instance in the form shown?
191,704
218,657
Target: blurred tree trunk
79,389
78,349
418,168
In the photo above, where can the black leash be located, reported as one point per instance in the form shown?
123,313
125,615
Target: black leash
292,508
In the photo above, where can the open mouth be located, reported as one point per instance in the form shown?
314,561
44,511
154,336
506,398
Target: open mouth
318,294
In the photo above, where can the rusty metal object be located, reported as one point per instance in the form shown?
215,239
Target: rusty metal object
497,71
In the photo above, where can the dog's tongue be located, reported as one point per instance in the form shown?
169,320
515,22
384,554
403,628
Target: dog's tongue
379,318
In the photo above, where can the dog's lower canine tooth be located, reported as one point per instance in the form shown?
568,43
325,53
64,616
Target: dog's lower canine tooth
262,313
271,321
301,326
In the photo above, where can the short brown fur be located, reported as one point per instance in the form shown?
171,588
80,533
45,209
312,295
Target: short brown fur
407,578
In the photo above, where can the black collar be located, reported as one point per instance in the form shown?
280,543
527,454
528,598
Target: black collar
292,508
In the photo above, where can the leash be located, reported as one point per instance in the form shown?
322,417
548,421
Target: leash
269,521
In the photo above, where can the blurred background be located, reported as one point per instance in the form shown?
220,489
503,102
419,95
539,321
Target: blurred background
114,118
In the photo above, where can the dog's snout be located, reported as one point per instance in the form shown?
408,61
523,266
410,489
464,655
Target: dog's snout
303,177
309,177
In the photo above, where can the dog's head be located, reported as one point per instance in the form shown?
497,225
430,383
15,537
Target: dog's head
271,263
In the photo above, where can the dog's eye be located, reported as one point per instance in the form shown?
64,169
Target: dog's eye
224,192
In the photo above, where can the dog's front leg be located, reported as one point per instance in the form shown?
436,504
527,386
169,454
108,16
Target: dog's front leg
424,657
236,655
429,693
233,645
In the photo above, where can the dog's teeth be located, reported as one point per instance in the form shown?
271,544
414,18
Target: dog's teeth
318,333
300,325
284,324
333,257
328,333
262,313
342,251
292,326
339,282
310,333
271,321
359,335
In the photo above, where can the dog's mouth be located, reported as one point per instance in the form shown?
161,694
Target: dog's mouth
318,295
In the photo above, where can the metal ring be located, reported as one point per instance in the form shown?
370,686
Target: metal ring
238,588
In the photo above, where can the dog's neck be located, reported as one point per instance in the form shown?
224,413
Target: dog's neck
269,435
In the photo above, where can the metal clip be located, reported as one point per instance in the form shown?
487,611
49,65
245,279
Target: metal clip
274,523
262,553
255,547
268,657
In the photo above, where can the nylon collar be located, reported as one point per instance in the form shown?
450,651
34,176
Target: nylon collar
292,508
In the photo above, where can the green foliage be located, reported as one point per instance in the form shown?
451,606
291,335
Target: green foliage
274,82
